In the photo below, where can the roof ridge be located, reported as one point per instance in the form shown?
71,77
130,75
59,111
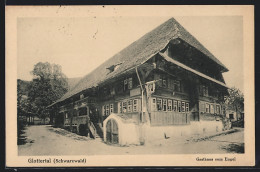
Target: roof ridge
138,51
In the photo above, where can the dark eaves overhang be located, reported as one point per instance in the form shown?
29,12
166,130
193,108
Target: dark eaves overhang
169,59
223,68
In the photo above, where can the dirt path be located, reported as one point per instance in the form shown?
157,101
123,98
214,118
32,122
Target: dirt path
46,140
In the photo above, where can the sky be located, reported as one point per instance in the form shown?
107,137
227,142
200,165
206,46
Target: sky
80,44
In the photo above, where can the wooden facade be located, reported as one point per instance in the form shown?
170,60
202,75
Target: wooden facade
178,84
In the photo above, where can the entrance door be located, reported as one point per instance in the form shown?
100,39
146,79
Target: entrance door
112,131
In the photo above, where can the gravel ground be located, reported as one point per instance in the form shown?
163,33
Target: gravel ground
46,140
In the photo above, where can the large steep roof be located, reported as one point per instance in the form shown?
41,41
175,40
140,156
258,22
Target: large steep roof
138,52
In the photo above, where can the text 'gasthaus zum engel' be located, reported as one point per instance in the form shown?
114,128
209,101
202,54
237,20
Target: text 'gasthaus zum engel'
216,159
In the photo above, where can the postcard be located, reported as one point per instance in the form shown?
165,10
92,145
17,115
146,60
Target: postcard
110,85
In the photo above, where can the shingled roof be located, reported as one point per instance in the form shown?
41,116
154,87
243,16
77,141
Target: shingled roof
139,52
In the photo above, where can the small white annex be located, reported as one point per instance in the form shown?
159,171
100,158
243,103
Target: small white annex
119,129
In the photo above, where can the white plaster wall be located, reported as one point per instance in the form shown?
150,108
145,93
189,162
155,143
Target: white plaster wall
156,133
203,127
130,133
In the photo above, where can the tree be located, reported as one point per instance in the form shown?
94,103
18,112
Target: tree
235,100
48,85
22,109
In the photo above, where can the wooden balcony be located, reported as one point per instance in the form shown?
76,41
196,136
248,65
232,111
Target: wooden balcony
162,118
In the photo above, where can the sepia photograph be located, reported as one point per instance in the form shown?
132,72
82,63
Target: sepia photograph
111,83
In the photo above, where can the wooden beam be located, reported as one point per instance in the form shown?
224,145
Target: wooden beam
145,72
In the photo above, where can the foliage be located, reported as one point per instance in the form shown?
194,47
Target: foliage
48,85
235,100
21,106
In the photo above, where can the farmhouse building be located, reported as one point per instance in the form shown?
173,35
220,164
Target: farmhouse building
166,84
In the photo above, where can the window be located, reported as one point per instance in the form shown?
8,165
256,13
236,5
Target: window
125,84
179,106
153,104
169,105
218,109
207,108
104,110
135,105
164,83
212,108
124,109
119,107
81,96
177,86
159,104
203,107
183,106
204,90
111,108
170,83
130,83
231,116
107,110
130,106
164,104
175,105
151,87
187,107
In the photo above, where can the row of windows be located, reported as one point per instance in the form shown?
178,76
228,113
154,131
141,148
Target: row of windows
167,82
159,104
125,106
128,84
210,108
129,106
203,90
124,85
108,109
162,81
